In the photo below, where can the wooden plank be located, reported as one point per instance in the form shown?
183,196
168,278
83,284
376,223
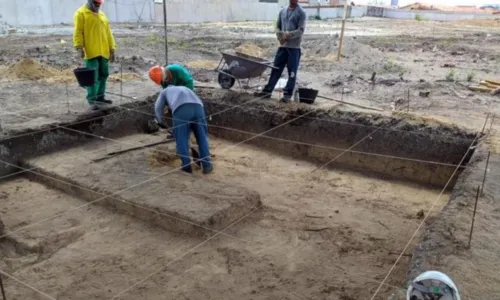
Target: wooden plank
480,89
492,81
489,85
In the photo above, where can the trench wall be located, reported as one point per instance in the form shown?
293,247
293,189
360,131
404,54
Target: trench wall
443,245
321,136
115,121
324,140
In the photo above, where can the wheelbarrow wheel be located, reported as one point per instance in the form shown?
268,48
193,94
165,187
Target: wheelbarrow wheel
226,81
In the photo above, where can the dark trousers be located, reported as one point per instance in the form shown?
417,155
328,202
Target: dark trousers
289,58
101,65
186,118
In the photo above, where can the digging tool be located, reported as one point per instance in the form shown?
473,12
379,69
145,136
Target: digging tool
115,153
196,157
352,104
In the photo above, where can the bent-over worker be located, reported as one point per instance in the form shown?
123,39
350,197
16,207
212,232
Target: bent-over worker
174,74
94,41
290,27
188,114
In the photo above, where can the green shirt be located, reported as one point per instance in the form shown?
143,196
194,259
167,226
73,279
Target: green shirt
180,76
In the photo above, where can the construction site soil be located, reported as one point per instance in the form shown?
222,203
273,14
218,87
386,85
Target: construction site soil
327,201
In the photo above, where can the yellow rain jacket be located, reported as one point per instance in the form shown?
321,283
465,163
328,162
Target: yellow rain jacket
93,33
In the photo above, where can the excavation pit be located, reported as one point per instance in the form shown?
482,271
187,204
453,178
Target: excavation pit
292,224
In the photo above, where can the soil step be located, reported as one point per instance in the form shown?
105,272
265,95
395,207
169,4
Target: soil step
178,202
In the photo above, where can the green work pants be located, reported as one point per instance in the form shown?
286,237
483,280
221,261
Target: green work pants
101,65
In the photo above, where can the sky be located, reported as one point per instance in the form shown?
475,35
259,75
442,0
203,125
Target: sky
442,2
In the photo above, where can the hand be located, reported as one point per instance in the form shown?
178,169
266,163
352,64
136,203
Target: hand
161,124
286,35
282,41
80,52
111,55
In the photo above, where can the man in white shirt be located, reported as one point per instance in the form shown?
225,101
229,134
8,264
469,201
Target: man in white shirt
188,114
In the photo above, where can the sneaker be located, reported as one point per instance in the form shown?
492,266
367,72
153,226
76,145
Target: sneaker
170,135
94,106
286,99
263,95
188,169
101,99
208,170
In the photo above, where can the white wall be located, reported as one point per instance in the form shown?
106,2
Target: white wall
434,15
196,11
52,12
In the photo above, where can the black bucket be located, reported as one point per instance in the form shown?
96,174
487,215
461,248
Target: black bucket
85,76
307,95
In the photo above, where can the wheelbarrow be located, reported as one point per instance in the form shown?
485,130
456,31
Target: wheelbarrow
236,66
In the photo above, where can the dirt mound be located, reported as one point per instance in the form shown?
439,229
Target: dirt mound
28,69
357,57
166,155
163,156
250,49
203,64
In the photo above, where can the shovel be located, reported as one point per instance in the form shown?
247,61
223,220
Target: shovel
196,157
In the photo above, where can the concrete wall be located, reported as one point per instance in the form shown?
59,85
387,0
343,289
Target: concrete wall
52,12
196,11
335,12
433,15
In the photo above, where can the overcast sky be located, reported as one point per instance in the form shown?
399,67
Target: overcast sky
442,2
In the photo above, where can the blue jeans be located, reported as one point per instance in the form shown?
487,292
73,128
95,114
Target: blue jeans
289,57
183,115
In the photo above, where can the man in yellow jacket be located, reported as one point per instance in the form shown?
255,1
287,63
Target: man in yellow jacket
95,44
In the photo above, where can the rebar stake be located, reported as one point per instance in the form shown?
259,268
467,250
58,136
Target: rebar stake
121,81
67,96
1,287
473,218
485,171
485,121
408,108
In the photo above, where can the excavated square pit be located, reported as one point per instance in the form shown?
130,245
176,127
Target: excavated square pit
97,227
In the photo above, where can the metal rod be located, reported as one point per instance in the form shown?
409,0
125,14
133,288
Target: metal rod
473,218
116,11
492,119
341,43
67,96
121,81
1,287
485,121
408,98
165,28
485,171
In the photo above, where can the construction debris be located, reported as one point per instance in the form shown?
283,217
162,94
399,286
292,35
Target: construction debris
487,86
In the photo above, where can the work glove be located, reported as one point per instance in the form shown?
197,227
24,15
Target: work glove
112,55
161,124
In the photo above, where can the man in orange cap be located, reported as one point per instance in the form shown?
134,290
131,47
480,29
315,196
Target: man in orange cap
94,43
171,75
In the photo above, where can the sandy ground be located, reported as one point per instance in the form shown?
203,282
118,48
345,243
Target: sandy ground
408,56
320,253
331,235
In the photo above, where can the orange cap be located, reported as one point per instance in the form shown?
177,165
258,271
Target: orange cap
99,1
156,74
